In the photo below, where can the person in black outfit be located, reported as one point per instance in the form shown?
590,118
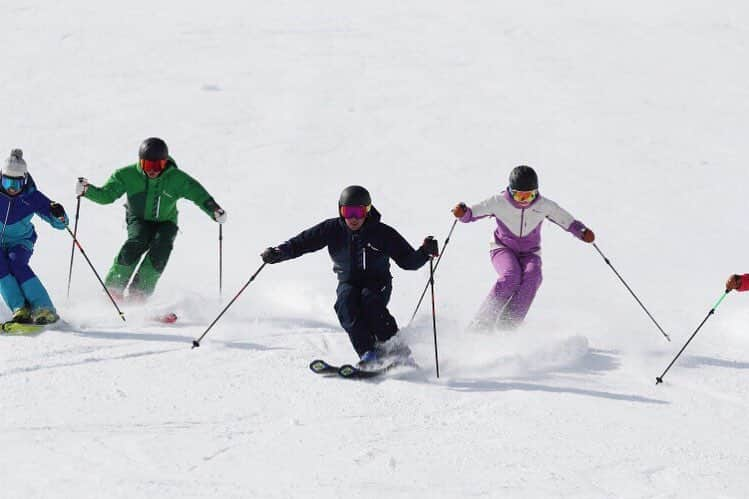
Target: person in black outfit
360,246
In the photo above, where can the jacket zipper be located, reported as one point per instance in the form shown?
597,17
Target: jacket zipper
145,202
5,223
158,207
522,216
364,258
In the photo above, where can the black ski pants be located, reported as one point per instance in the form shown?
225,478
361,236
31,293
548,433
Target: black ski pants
363,313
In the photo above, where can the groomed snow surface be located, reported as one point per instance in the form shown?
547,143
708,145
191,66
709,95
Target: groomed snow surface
635,116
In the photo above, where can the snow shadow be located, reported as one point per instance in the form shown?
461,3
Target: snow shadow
247,345
592,362
473,385
297,323
121,335
171,338
595,361
698,361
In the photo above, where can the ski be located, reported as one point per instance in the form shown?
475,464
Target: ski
169,318
319,366
19,328
352,372
349,371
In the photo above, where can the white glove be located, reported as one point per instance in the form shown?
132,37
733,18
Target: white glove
219,216
81,186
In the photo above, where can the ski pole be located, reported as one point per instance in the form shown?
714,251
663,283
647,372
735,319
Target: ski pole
196,343
659,379
434,314
75,234
220,261
423,293
80,248
631,292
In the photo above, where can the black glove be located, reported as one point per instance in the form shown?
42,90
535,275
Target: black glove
272,255
430,246
57,211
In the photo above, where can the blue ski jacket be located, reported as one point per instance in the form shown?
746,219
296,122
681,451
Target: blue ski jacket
16,213
360,257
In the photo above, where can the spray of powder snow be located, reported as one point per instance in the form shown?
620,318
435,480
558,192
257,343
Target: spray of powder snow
526,352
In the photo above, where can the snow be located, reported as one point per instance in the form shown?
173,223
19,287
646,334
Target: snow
634,114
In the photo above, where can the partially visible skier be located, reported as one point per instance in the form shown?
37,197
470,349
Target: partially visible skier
20,200
515,249
360,246
153,186
739,282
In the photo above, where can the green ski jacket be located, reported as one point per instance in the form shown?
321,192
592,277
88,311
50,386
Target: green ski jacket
152,199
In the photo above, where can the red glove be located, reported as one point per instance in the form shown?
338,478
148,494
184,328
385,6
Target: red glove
588,236
460,210
735,282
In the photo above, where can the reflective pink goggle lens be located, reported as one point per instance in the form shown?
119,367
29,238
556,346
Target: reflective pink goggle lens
354,211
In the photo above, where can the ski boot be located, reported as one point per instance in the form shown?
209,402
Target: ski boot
43,316
369,360
22,316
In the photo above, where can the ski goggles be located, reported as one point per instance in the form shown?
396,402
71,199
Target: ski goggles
523,196
153,166
355,211
12,183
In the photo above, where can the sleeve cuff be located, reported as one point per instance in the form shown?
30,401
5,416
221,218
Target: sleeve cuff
468,217
744,283
577,228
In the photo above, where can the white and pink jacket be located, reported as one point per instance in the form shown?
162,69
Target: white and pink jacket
519,227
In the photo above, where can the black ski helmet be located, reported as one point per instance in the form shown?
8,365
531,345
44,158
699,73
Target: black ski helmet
523,178
354,195
153,149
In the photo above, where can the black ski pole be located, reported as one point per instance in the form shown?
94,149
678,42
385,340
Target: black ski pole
220,261
631,292
80,248
75,235
434,314
196,343
423,293
659,379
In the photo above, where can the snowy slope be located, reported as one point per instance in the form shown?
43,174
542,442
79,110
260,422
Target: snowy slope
633,114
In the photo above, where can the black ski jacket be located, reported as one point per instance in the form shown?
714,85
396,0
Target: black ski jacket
359,257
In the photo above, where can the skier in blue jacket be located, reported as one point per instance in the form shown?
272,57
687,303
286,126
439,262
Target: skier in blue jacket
20,288
361,247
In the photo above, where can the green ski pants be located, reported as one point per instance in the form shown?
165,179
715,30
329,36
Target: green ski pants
155,240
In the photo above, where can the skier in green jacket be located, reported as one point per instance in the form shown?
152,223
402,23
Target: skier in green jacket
153,186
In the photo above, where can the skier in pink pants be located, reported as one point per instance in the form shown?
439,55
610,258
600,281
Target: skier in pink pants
515,248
